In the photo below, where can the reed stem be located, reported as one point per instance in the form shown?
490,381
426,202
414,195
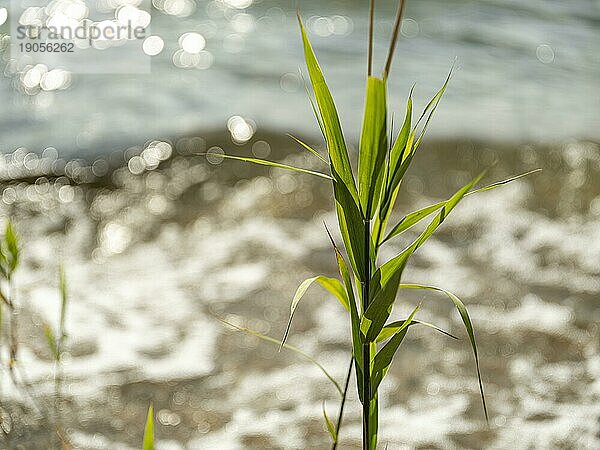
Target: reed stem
342,404
366,350
396,30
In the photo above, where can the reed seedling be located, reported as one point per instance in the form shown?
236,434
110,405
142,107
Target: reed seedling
367,287
9,263
148,442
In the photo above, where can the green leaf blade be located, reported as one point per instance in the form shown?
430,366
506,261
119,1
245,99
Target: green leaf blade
386,279
148,443
309,148
333,285
383,359
264,162
392,328
286,346
466,319
332,128
330,426
373,144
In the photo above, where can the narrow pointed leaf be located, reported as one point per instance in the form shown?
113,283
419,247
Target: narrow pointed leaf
392,328
381,220
334,286
383,358
331,284
431,107
336,144
503,182
51,341
309,148
373,144
400,149
386,279
313,106
390,267
413,218
11,242
149,430
289,347
390,348
64,300
351,224
330,426
464,315
264,162
354,317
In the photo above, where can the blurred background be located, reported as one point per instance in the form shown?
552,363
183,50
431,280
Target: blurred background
102,172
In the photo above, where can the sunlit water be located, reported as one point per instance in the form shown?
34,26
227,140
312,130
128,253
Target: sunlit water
154,258
526,71
158,242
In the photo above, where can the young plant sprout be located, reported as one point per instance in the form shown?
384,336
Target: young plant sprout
9,261
148,442
367,287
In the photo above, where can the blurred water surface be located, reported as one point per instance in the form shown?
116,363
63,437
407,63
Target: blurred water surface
158,241
528,71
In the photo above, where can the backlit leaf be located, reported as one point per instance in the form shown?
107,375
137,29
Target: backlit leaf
149,430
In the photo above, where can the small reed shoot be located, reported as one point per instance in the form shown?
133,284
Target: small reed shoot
10,258
367,287
9,261
148,442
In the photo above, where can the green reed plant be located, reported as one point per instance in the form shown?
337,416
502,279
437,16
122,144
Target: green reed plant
10,257
367,287
9,261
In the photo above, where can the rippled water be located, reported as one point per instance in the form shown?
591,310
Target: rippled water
154,257
527,71
158,242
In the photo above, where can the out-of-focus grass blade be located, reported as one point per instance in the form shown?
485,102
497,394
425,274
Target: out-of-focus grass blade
330,426
51,340
64,297
464,315
11,248
338,153
264,162
384,357
309,148
286,346
12,243
392,328
148,443
373,144
413,218
333,285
